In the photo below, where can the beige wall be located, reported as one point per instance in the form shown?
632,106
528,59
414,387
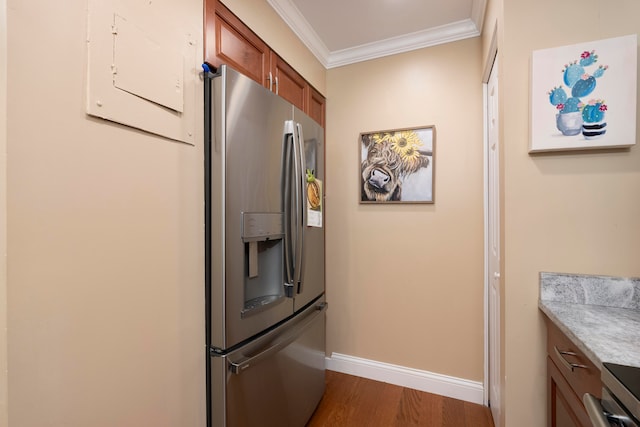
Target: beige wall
267,24
571,212
104,251
3,214
105,248
405,282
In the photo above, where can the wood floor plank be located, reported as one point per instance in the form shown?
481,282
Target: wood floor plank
333,409
477,415
419,409
351,401
377,404
453,413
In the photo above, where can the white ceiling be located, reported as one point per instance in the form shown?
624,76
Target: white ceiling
341,32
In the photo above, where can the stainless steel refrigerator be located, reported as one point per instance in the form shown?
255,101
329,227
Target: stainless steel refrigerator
265,278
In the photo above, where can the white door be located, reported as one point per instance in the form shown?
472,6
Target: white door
493,242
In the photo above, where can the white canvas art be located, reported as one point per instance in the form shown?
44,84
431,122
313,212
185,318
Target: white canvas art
583,96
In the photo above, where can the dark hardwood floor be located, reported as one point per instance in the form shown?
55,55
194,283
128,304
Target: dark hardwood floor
351,401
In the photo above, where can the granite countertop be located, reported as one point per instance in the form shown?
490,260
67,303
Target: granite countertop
599,314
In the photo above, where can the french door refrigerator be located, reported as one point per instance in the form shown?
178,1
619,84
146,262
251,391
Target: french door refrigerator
264,235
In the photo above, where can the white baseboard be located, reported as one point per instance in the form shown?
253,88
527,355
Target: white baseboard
457,388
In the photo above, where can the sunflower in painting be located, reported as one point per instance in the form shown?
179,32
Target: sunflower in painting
380,138
406,144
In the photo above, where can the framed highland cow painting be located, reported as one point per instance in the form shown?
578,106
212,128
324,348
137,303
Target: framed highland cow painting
396,166
583,96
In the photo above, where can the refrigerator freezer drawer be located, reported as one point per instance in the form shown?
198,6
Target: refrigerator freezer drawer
275,380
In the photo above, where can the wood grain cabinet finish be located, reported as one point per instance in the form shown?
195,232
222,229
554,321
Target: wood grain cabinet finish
570,374
316,106
288,83
229,41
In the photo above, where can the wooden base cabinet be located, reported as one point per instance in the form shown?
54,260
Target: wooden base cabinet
229,41
563,403
570,374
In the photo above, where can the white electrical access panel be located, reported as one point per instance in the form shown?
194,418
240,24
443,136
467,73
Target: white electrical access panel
140,68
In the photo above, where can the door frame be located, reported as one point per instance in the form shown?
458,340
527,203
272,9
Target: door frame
489,64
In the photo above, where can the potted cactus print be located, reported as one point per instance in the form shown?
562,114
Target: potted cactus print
594,125
584,95
579,83
568,118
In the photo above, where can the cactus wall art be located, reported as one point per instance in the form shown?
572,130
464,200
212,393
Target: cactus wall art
583,96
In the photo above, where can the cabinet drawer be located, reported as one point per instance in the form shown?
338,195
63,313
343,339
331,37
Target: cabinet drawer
581,374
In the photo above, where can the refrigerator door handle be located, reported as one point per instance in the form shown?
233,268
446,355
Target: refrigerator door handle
287,160
298,178
302,210
279,343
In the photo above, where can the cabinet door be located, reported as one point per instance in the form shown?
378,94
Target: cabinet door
565,408
316,106
229,41
288,83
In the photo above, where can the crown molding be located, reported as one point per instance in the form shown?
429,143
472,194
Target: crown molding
418,40
300,26
330,59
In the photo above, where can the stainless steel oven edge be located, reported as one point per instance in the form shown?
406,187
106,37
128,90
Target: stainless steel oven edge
620,392
607,412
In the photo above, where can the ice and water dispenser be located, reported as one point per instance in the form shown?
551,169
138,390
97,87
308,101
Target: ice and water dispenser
262,234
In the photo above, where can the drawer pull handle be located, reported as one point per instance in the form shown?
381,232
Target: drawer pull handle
565,362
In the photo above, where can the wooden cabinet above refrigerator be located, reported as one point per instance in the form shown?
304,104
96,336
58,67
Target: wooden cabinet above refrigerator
229,41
